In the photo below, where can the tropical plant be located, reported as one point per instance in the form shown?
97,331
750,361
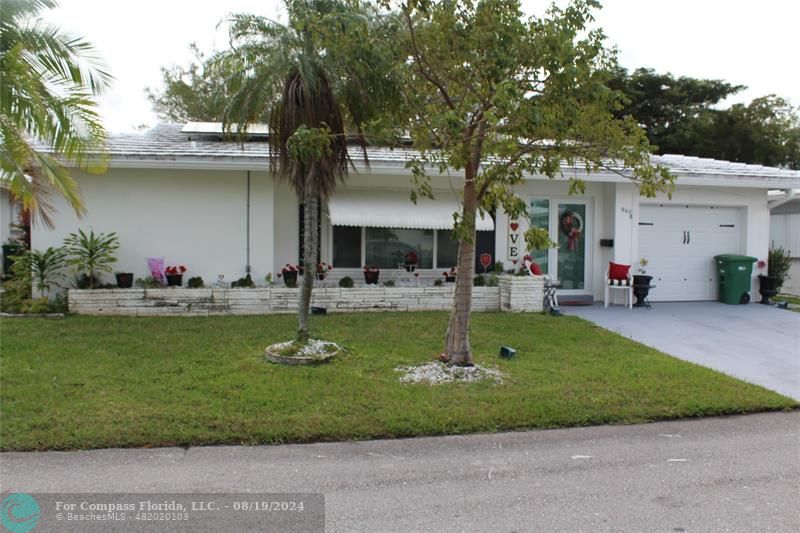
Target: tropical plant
779,264
496,95
148,283
48,80
316,78
91,254
43,269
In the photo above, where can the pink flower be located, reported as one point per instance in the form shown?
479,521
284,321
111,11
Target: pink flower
761,264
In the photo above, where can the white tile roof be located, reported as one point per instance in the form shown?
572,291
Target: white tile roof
167,142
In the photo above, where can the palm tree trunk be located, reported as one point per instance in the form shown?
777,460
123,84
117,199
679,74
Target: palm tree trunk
458,350
310,240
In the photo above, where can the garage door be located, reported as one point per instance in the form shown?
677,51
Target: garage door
680,243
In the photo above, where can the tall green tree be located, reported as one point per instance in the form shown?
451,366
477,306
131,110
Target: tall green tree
496,96
669,108
318,80
48,81
195,92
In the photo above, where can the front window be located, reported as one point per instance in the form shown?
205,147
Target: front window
388,247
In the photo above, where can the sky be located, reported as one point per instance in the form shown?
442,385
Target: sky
745,42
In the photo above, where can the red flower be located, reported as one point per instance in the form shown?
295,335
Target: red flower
761,264
411,258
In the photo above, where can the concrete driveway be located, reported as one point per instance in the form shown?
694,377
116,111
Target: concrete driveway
756,343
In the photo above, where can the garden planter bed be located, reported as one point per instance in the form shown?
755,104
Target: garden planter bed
260,301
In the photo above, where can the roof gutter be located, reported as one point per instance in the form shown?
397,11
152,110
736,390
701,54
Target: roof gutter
788,196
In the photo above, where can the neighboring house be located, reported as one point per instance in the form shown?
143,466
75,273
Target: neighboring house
784,231
188,196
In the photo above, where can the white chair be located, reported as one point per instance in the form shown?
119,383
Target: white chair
619,285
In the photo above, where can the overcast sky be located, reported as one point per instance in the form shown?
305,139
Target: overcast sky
747,42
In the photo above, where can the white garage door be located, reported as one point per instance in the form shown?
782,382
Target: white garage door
680,243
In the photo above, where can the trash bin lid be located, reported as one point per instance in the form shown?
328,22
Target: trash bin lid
735,257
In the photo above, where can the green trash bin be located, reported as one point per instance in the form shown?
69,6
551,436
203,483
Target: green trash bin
734,273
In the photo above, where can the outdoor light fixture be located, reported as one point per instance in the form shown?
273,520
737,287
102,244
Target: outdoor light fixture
507,352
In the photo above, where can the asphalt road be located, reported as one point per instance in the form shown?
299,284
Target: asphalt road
717,474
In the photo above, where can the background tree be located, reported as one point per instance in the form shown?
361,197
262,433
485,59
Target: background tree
682,116
497,96
48,80
669,108
196,92
317,79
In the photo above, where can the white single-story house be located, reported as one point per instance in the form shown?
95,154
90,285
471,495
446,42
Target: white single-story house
179,192
784,231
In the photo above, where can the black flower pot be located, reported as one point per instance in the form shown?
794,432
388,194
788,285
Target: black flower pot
641,288
450,279
768,286
371,278
174,280
124,280
321,276
290,279
411,267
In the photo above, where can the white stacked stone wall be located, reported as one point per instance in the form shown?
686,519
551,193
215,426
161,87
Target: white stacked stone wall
521,294
205,302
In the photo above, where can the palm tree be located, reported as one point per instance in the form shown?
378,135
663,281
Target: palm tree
307,78
48,78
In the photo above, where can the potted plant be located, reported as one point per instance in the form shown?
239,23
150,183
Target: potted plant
450,275
322,270
124,279
91,254
371,274
174,275
289,275
411,259
641,283
779,263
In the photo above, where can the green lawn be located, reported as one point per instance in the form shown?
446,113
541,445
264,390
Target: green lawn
90,382
794,301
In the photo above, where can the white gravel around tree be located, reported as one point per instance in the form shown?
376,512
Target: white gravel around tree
310,349
435,373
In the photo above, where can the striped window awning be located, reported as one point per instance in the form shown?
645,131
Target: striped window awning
394,209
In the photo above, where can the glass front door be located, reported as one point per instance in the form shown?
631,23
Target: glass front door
572,246
566,222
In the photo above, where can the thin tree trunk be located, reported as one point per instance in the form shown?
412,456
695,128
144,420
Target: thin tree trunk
310,239
458,348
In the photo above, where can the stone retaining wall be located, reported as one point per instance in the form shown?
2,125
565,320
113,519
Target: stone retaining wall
260,301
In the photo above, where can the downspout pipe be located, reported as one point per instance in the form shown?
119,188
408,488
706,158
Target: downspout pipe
247,227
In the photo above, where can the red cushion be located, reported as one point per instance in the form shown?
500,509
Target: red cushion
616,271
536,270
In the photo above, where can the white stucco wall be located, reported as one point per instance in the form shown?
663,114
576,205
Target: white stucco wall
192,217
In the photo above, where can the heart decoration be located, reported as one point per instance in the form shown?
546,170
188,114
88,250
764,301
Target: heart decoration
514,261
514,226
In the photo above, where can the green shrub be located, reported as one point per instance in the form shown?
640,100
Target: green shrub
780,262
43,268
195,283
498,267
346,282
438,283
16,291
243,283
491,281
479,281
36,306
389,283
148,283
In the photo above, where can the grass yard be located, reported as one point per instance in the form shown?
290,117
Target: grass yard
794,301
92,382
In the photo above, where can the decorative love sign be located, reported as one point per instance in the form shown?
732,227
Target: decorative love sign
513,241
486,260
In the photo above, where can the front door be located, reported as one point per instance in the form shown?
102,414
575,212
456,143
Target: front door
568,222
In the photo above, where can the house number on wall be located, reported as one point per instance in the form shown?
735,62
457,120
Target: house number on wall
513,241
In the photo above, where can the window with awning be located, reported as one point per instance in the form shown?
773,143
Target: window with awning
378,228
